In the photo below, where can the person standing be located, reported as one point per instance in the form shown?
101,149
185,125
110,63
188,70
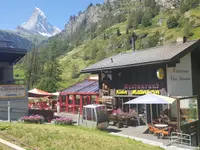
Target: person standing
58,106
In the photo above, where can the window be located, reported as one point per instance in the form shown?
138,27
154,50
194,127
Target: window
63,98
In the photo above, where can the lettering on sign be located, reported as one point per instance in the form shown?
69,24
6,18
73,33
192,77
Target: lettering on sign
155,86
180,71
121,92
181,78
11,91
143,92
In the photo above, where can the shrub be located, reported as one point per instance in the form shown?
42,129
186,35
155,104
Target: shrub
63,121
172,22
32,119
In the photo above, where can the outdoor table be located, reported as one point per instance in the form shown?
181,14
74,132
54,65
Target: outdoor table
161,125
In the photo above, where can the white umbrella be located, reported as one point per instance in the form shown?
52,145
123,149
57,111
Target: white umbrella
151,99
55,94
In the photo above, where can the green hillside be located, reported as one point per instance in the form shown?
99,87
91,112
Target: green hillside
113,36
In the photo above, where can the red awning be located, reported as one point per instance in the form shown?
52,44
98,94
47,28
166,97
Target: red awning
38,93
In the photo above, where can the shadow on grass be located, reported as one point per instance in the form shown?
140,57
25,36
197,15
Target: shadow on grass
112,130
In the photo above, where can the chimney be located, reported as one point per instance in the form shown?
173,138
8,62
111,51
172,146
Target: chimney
184,39
111,59
133,41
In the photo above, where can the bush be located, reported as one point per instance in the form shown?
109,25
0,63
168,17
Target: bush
63,121
172,22
32,119
5,127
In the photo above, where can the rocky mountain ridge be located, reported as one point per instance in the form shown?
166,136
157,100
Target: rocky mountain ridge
94,13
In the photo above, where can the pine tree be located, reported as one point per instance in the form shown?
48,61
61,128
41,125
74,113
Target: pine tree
51,74
127,31
93,50
186,29
104,36
146,20
172,22
101,54
118,32
74,70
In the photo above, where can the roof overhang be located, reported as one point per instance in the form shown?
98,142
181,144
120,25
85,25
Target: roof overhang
123,66
11,55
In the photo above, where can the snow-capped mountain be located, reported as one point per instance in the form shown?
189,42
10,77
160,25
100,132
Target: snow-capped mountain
38,24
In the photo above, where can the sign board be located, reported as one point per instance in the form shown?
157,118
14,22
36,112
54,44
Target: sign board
12,91
160,74
143,92
179,82
155,86
121,92
179,78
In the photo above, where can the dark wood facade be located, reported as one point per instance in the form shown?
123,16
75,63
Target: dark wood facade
124,81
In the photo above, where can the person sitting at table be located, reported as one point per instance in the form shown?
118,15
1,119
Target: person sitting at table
184,121
163,118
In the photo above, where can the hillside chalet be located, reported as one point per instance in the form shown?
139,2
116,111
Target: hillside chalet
10,91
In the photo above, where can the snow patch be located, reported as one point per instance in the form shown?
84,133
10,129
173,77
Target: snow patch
40,12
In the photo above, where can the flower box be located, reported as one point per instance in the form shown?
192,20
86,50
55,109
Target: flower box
33,119
63,121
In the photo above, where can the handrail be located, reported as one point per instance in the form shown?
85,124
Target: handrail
180,138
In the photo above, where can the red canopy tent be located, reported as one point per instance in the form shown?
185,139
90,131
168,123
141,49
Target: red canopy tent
38,93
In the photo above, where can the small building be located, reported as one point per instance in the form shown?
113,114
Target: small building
76,96
171,70
10,91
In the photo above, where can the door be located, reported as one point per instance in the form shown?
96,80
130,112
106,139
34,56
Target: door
89,118
1,74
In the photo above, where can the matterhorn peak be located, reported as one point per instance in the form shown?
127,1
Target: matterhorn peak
38,24
37,10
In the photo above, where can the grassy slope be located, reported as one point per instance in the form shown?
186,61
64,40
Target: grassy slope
53,137
4,147
169,35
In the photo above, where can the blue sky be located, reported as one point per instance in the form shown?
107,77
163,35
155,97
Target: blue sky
15,12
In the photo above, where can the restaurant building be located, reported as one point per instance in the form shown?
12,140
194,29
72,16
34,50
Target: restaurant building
10,90
170,70
76,96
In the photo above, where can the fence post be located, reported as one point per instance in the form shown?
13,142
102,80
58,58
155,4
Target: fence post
78,121
9,112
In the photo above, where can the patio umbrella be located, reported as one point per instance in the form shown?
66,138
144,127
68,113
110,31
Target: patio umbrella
151,99
55,94
38,93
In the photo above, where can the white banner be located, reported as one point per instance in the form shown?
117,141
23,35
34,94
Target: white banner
12,91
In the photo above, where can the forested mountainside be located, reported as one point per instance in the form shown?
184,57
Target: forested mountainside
103,30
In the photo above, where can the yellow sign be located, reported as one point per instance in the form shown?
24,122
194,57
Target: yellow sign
143,92
160,73
121,92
